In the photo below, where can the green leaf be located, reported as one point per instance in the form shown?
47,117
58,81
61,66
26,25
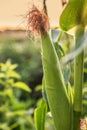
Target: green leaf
9,92
4,126
85,70
2,75
59,50
71,16
70,93
13,74
8,66
39,116
22,85
38,88
14,113
14,66
66,74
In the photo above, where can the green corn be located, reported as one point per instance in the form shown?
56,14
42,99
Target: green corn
55,87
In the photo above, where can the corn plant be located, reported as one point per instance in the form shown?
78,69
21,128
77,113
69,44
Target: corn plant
64,103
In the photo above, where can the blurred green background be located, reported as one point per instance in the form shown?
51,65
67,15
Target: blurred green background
16,113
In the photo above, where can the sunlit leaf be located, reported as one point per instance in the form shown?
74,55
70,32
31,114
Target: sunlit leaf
85,89
2,75
3,108
39,116
13,74
14,113
4,126
2,93
22,85
71,16
14,66
9,92
70,93
8,66
59,50
85,70
10,82
38,88
3,67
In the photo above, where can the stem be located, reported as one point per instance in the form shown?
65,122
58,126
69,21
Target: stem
44,6
78,79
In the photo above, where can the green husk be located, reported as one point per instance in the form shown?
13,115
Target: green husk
55,87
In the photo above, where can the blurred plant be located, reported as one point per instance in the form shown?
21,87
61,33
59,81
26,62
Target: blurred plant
26,55
14,114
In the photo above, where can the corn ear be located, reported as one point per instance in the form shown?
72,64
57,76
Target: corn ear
55,87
